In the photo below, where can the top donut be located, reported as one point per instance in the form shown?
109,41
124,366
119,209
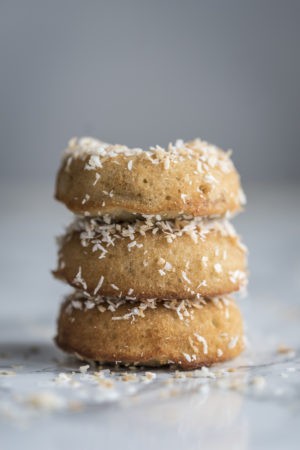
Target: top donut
186,179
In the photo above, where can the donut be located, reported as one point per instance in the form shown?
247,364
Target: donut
193,178
183,333
153,258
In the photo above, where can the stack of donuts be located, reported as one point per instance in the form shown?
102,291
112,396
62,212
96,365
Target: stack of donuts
151,254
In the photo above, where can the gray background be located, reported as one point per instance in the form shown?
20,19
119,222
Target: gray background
144,73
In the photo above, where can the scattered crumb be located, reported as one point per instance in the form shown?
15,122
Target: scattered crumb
284,350
76,406
47,401
105,382
8,373
84,369
149,376
129,377
259,382
63,378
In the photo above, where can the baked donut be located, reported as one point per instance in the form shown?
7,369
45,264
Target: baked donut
184,333
193,178
153,258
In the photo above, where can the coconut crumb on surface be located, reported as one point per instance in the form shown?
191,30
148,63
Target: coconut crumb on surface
285,350
7,373
65,379
129,377
259,382
84,369
48,401
105,383
149,376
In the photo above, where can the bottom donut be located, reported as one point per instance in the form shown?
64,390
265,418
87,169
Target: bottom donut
180,333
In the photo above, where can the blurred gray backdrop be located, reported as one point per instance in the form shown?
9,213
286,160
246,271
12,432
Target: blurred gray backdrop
148,72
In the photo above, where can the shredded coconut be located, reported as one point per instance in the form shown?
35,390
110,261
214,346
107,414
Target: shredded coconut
100,234
203,341
233,341
185,277
204,260
218,268
97,178
78,280
135,308
187,357
168,266
100,282
238,276
207,156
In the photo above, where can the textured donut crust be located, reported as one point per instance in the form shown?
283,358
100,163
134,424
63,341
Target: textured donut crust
154,268
129,184
160,337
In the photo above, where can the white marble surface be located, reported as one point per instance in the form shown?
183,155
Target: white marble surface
255,406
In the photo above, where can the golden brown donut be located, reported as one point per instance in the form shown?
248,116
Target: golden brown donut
193,178
146,259
185,333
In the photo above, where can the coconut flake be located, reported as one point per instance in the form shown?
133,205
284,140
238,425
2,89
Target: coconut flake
218,268
100,282
233,341
203,341
78,280
185,277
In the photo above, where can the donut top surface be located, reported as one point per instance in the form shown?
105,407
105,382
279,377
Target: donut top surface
187,178
99,151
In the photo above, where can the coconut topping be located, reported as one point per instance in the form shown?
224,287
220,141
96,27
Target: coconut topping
102,234
136,308
206,156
